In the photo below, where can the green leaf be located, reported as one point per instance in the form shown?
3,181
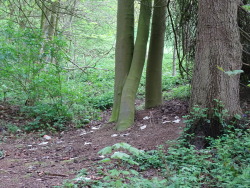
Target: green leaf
220,68
130,161
118,183
105,150
134,151
121,145
134,172
106,160
125,145
237,116
117,146
120,155
114,172
125,172
247,7
234,72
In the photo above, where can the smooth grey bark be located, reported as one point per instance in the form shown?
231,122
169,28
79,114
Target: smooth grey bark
155,55
124,51
127,108
174,61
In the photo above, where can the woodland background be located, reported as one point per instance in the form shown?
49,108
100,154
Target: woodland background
59,65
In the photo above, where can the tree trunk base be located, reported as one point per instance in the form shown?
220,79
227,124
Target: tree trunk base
203,130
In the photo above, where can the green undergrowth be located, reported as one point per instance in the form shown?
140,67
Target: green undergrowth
37,75
178,92
53,93
225,163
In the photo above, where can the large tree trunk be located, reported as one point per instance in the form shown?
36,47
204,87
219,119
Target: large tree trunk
218,45
155,55
127,109
124,50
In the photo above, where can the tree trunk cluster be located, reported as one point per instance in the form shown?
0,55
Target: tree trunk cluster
130,58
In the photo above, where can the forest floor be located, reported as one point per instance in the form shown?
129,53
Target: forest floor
32,161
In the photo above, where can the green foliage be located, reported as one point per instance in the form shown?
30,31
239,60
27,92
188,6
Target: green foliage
9,127
196,114
202,115
247,7
25,71
151,159
121,156
34,72
147,183
47,117
186,165
104,101
233,157
72,76
168,82
30,74
180,92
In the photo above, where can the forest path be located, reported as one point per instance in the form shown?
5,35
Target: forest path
32,161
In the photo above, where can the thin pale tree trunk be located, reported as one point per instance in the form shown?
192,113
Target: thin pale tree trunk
127,108
155,56
53,20
124,51
174,60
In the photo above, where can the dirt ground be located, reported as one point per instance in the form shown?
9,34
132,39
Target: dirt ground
32,161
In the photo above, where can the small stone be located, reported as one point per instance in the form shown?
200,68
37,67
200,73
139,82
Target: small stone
47,137
166,122
87,143
126,134
146,118
177,121
43,143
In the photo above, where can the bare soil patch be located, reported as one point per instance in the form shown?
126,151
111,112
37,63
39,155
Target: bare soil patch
31,161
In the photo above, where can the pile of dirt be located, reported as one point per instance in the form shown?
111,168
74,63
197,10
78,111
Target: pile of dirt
35,161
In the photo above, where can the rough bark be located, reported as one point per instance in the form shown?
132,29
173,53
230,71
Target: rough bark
124,51
218,45
155,55
127,109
